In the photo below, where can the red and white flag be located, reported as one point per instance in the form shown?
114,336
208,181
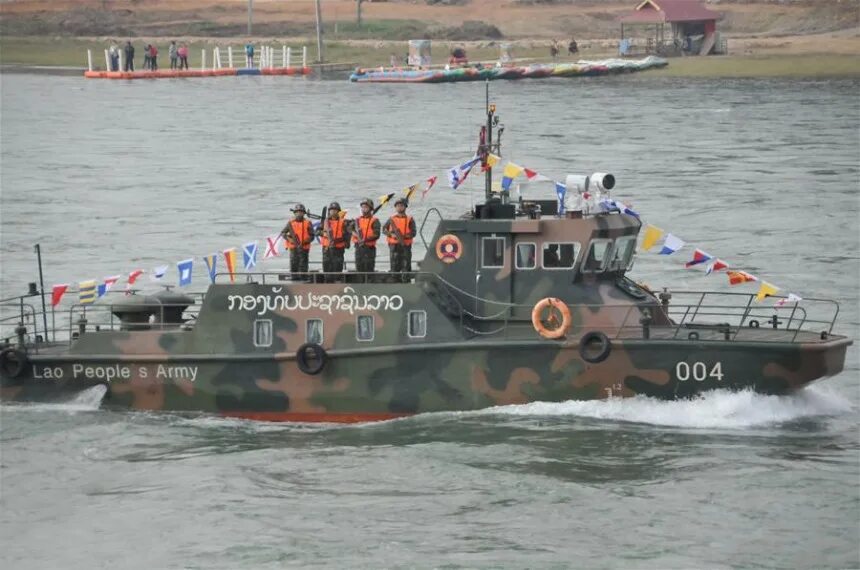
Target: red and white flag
430,183
272,245
132,277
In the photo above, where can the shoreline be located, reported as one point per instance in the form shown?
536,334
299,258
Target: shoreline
799,57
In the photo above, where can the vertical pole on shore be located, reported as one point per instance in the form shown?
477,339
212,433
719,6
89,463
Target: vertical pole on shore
283,56
289,56
121,60
203,60
90,60
107,61
250,15
230,56
320,54
271,57
304,56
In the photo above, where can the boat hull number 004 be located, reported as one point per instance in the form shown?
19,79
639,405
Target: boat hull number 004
698,371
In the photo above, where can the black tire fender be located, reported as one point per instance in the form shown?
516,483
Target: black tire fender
754,324
605,347
693,335
320,357
13,362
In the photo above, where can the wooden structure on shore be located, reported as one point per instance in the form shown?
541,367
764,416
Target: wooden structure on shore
693,28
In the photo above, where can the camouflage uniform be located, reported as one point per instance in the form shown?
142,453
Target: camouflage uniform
334,237
400,246
297,237
367,231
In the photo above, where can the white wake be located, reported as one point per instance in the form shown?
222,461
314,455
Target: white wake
719,409
85,401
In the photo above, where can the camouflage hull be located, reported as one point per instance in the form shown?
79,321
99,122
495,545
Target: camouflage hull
390,382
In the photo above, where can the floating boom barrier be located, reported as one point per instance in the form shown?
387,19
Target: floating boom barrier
534,71
264,65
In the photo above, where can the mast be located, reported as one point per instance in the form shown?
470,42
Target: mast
488,146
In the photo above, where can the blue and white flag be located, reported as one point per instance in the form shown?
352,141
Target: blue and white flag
158,273
249,254
561,192
101,290
457,175
211,265
672,244
185,269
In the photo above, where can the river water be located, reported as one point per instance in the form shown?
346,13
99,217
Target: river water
112,176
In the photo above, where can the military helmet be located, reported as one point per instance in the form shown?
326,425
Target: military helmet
403,201
299,208
366,201
334,206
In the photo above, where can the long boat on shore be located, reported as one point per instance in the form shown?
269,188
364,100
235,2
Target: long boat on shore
532,71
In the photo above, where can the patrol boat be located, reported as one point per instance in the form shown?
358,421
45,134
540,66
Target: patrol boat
512,303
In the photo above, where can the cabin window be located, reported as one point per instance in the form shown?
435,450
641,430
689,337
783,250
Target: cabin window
365,328
622,254
560,255
493,252
314,331
526,256
263,333
417,325
598,255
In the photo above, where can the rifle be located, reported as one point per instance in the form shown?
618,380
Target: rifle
287,233
397,234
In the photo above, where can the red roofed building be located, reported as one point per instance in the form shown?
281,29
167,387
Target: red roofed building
693,28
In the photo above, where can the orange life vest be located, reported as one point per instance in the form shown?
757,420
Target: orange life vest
365,228
302,231
402,223
335,229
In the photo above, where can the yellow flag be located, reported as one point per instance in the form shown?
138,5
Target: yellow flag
512,170
492,159
652,234
408,192
383,200
765,290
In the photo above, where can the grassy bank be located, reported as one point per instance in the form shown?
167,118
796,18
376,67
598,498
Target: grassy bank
73,52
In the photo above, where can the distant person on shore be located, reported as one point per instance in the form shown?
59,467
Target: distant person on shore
129,56
113,52
153,58
249,54
572,48
182,52
393,61
146,59
171,53
553,49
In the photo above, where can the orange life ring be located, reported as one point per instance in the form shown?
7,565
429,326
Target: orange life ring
538,323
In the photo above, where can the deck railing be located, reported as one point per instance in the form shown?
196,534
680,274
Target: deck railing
704,316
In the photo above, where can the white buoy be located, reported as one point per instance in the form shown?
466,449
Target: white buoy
289,56
107,61
90,60
230,56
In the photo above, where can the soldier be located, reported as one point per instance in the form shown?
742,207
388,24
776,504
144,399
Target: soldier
400,229
334,237
298,235
365,236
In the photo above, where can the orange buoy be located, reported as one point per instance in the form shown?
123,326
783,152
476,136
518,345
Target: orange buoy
542,327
